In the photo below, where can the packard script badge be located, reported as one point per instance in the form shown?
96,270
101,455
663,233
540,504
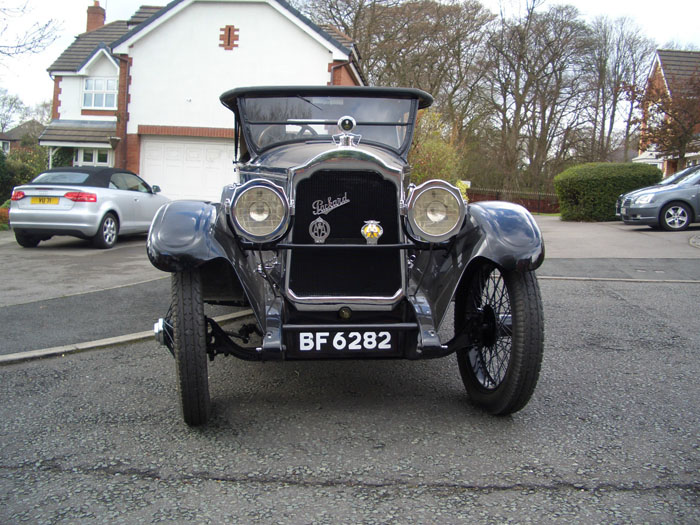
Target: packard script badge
319,230
324,207
371,231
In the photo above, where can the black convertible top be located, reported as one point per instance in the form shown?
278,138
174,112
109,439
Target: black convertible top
230,98
97,177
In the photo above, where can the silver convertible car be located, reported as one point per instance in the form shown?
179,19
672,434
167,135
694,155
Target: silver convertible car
86,202
672,204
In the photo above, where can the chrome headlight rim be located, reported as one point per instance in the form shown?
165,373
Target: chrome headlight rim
280,230
411,208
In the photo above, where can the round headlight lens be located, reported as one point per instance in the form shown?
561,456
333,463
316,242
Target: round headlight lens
260,213
436,211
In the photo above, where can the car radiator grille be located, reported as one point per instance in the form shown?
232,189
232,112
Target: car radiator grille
346,272
627,203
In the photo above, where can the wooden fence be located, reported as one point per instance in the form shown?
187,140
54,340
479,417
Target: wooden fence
535,202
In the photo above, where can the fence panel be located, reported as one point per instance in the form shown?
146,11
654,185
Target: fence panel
535,202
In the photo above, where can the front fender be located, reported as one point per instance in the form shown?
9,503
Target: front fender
181,236
511,237
501,232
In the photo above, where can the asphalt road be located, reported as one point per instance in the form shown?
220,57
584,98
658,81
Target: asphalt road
612,433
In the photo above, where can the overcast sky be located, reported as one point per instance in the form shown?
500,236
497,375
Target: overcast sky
26,76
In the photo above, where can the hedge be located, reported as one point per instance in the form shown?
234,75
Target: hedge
588,192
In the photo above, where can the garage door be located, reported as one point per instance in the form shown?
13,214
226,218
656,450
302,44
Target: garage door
187,168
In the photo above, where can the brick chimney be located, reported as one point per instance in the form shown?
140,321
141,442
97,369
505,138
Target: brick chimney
95,16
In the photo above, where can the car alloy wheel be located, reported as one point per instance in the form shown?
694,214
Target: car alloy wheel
106,236
675,217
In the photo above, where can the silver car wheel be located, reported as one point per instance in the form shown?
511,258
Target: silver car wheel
109,230
675,217
107,233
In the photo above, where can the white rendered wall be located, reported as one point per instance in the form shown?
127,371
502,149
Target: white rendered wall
179,71
71,95
71,90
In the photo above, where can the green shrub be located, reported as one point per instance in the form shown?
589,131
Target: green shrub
588,192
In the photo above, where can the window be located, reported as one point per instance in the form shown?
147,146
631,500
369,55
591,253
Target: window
61,177
5,146
127,181
100,93
92,157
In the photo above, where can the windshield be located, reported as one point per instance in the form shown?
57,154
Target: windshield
276,120
676,178
690,179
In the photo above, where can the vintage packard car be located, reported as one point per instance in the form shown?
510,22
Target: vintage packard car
340,256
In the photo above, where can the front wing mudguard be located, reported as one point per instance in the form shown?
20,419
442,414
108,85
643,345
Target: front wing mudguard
501,232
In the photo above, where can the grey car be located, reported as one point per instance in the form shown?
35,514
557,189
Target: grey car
86,202
672,207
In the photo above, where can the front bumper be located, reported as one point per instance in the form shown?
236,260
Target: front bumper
648,215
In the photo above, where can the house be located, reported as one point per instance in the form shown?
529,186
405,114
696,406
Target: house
671,68
143,94
13,138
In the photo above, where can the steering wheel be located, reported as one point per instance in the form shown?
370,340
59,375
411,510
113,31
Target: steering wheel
276,133
304,129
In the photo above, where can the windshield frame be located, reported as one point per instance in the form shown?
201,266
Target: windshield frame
237,100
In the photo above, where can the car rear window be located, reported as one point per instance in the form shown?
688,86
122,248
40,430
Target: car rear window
61,177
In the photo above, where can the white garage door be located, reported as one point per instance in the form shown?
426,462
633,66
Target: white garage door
187,168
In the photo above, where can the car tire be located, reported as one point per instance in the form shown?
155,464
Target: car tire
26,241
107,233
503,312
190,346
675,217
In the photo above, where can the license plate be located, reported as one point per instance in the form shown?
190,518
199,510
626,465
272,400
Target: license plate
359,341
44,200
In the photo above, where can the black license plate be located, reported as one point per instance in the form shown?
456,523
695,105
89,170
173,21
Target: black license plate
312,342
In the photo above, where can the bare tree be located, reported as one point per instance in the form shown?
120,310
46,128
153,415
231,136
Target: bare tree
32,39
12,110
619,56
535,62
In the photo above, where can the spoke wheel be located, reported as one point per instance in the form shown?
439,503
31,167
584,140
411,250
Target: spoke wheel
190,347
502,311
675,217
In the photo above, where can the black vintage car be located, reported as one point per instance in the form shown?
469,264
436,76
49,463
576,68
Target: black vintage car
339,256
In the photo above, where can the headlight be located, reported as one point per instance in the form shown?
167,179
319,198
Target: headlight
435,211
644,199
260,211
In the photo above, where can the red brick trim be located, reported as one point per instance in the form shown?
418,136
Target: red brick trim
185,131
99,112
122,152
56,104
341,74
133,152
229,37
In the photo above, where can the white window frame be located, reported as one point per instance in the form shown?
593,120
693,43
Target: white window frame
79,157
5,146
91,87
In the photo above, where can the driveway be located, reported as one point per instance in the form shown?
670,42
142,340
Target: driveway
65,292
610,435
